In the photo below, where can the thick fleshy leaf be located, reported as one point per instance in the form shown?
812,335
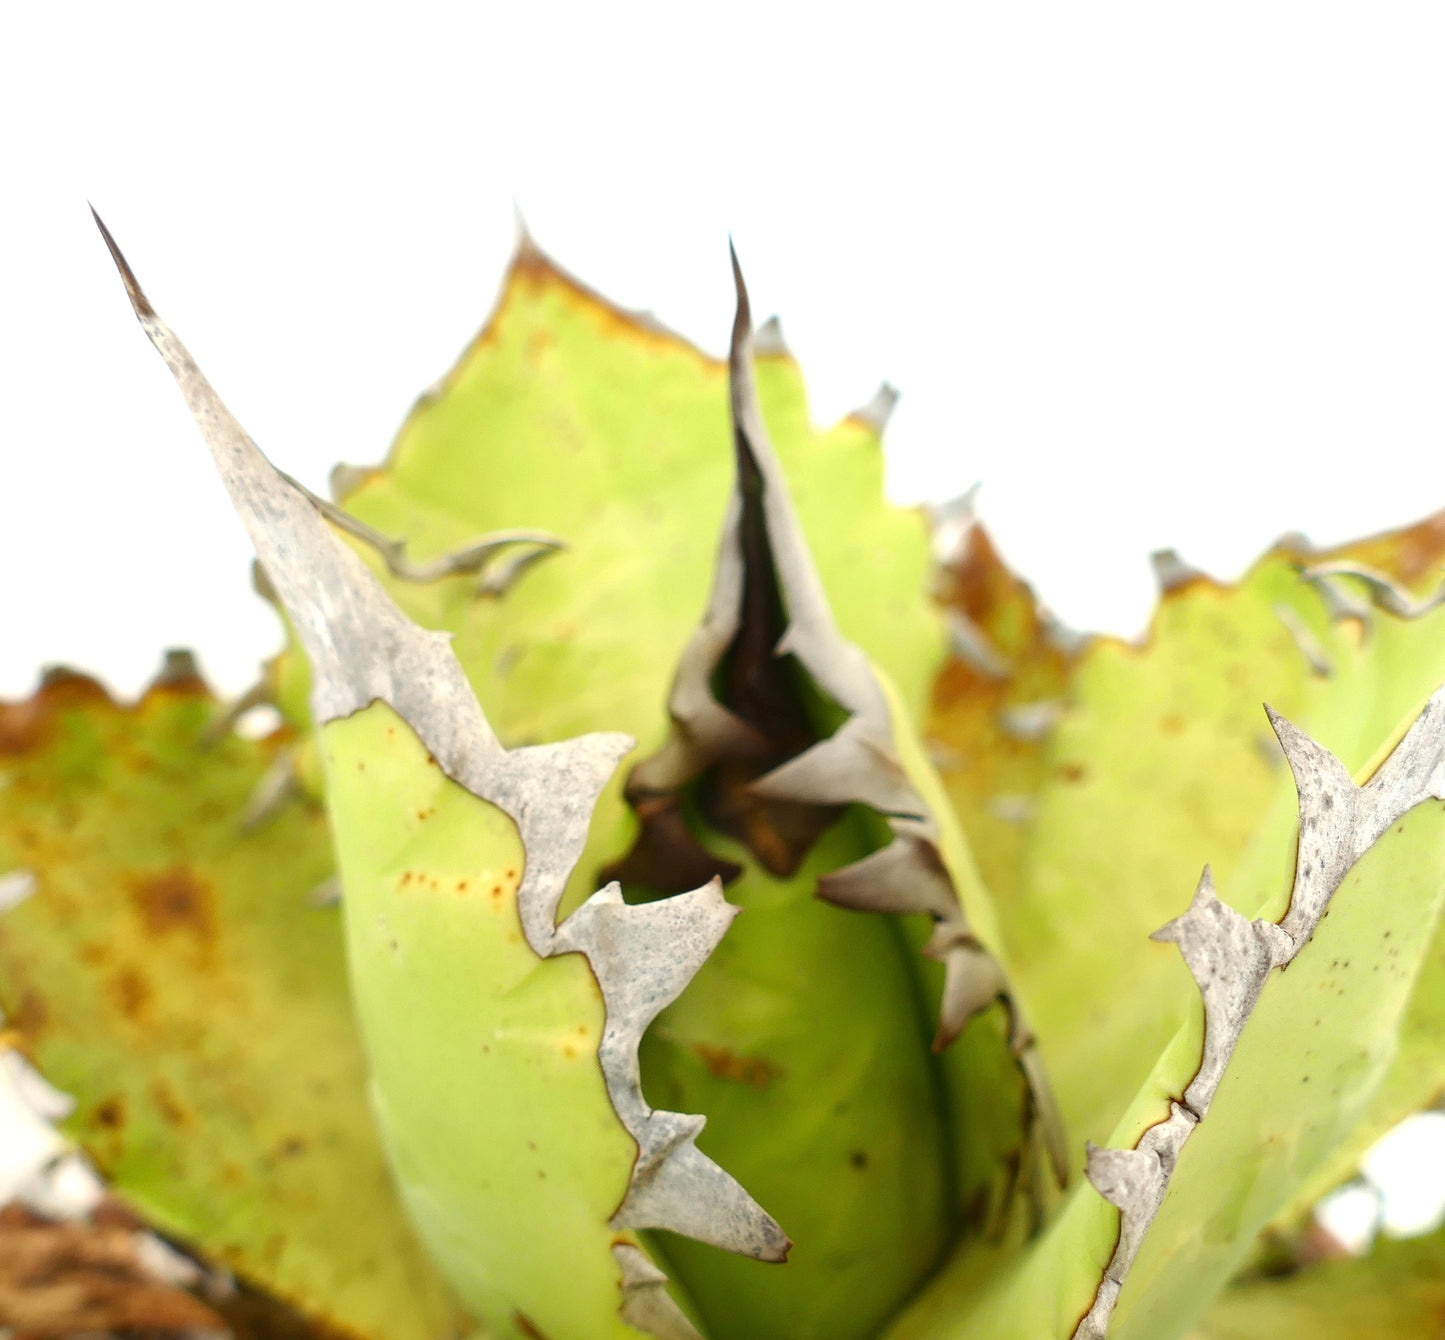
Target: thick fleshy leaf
171,974
995,702
615,436
1166,719
1396,1290
1299,1076
779,725
515,821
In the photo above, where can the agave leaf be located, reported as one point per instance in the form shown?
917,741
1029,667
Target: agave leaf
1397,1289
572,416
516,821
1167,718
169,973
990,716
779,723
1318,1042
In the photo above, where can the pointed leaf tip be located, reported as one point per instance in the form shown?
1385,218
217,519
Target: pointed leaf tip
138,299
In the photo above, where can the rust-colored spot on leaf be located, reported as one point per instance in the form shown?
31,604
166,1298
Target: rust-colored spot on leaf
724,1063
29,1017
1073,772
527,1326
175,900
171,1110
110,1114
131,993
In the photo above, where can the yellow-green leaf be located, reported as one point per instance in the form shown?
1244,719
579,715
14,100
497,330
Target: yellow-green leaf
171,974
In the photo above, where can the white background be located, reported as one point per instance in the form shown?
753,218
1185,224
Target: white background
1155,274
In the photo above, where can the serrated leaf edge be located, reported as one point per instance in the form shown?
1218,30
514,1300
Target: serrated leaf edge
364,649
1230,957
857,764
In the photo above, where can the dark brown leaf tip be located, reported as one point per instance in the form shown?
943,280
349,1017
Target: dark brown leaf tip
362,650
779,723
137,296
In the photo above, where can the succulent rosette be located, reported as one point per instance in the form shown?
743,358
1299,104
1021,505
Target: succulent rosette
744,893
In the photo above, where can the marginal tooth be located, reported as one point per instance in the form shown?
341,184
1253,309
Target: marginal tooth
768,341
473,559
551,790
1383,591
345,479
650,951
15,887
1327,830
500,577
1415,768
1069,641
1134,1181
1048,1119
643,956
646,1304
875,414
952,522
1171,571
275,789
907,875
1013,809
1124,1177
971,645
326,894
1310,646
687,1192
220,726
1340,604
1031,721
1229,958
849,767
179,666
972,981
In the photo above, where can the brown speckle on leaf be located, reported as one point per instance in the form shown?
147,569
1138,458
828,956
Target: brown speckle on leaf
131,993
29,1018
723,1063
110,1114
175,900
168,1105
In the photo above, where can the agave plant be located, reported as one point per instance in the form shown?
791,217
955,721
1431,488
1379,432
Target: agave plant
745,895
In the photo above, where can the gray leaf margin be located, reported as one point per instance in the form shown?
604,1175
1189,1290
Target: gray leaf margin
1230,957
363,649
857,764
